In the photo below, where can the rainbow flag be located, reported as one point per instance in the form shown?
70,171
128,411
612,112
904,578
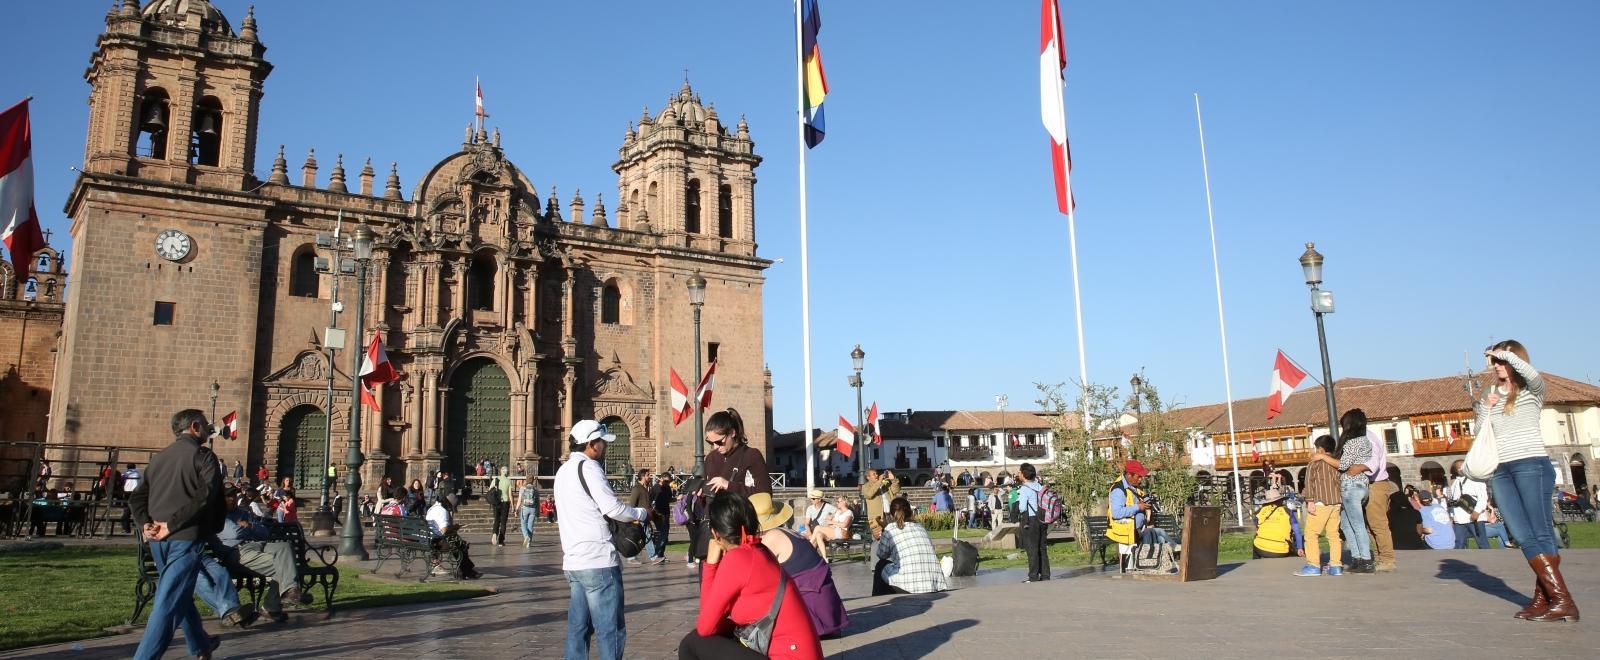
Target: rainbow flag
815,83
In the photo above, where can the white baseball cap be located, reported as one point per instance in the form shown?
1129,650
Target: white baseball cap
588,430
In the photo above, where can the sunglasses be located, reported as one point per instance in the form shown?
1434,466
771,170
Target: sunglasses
718,443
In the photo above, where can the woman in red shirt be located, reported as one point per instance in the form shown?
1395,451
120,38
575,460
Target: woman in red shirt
738,584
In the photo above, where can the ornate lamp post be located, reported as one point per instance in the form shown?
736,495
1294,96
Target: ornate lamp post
857,357
323,521
350,544
697,299
1321,303
215,389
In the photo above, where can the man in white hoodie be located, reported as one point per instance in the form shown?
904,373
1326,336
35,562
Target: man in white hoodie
592,566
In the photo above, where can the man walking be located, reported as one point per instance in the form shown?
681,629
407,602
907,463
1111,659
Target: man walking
1468,500
528,509
1034,531
592,566
179,508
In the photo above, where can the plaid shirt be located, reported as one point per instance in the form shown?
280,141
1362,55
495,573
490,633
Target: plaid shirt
913,566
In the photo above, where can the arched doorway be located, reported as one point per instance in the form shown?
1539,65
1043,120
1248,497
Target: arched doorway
477,416
301,439
1433,472
619,454
1580,478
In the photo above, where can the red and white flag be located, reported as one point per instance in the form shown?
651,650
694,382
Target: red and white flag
847,438
1052,109
1450,438
21,235
681,406
230,426
1285,377
479,99
375,370
872,425
702,393
1255,451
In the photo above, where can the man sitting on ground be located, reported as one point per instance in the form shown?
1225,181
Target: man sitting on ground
247,543
1435,527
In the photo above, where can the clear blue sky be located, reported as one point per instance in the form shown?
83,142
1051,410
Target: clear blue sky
1441,154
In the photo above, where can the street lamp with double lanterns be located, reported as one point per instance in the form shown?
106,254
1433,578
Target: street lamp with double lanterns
1321,303
350,544
857,358
697,299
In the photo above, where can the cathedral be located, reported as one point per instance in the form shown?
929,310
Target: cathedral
509,315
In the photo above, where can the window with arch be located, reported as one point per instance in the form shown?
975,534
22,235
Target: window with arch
154,115
480,282
691,207
653,203
303,279
725,211
611,303
205,133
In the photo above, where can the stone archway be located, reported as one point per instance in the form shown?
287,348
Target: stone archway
302,439
1580,478
1433,473
619,453
477,423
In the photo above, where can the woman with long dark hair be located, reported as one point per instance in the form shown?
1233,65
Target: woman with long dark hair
1524,481
1355,450
739,586
907,563
733,465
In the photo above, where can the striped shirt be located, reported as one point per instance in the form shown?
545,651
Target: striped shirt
1517,435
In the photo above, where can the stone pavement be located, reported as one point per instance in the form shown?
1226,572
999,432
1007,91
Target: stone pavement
1440,604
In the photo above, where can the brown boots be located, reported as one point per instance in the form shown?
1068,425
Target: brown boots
1551,600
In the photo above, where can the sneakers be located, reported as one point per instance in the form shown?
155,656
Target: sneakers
658,561
1334,571
527,542
1362,566
1308,571
692,565
240,617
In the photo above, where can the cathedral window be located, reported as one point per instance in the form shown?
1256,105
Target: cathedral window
725,211
205,136
691,207
153,118
611,303
480,282
303,279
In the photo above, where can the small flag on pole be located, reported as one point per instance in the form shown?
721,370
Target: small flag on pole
703,393
847,438
230,426
681,406
872,425
814,84
1285,377
1052,108
21,234
479,100
375,370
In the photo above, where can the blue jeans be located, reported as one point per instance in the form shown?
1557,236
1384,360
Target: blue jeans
1523,488
1353,521
1474,529
177,567
525,516
215,587
596,610
1498,530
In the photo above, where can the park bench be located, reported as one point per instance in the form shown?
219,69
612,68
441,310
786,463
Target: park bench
409,539
250,582
1170,524
1572,510
857,539
1095,527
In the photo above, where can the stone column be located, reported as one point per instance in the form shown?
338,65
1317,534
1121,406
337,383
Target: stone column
530,454
430,413
461,266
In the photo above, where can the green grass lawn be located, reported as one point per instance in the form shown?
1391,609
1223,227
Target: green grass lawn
76,592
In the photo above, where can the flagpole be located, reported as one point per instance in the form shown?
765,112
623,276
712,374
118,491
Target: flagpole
1072,238
805,257
1222,322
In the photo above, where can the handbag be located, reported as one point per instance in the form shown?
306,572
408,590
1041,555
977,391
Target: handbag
757,636
627,538
1483,457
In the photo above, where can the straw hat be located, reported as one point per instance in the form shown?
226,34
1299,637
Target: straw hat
769,516
816,493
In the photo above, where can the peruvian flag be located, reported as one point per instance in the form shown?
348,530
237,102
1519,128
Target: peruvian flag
872,425
1450,438
703,393
1255,451
230,426
1014,442
375,370
1285,377
847,438
22,236
1053,110
479,100
681,407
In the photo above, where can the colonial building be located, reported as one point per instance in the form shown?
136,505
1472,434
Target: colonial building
981,443
30,327
510,315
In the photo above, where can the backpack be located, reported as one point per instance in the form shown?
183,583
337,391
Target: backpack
680,510
1049,507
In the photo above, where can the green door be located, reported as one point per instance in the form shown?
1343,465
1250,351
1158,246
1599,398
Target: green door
619,458
303,436
477,422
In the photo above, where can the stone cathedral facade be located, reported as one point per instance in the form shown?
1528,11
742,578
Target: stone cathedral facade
510,315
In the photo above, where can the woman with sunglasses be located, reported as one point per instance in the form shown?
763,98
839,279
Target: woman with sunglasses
734,466
1524,481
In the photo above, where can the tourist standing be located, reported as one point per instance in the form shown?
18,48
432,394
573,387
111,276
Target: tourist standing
1468,500
639,498
1354,452
502,509
661,522
528,509
1379,491
735,465
881,487
1034,531
180,509
1524,481
591,564
1323,504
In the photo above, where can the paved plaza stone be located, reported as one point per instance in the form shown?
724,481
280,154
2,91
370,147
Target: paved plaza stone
1440,604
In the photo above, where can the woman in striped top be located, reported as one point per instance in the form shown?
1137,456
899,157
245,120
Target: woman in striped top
1525,481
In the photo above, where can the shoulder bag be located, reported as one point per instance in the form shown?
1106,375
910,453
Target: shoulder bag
758,636
627,538
1483,457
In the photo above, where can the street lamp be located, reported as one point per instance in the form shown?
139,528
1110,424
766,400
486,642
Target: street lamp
335,266
350,540
1000,402
857,357
697,299
1321,303
215,389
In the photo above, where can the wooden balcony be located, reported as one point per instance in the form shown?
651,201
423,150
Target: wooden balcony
978,454
1435,446
1278,459
1023,452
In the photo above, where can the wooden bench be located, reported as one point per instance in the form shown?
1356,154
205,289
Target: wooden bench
1095,527
250,582
856,539
409,539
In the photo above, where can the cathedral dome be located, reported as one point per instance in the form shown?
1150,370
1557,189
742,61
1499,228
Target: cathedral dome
686,105
175,10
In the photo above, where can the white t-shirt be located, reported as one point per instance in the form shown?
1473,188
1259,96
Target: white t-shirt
438,519
812,513
1464,486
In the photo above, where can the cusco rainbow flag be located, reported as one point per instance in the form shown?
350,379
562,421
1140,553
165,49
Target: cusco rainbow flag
814,82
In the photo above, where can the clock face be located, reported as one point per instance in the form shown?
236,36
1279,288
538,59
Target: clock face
173,245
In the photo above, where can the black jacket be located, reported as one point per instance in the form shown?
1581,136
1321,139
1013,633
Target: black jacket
183,488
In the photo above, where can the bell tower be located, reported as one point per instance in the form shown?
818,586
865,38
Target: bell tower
175,95
684,175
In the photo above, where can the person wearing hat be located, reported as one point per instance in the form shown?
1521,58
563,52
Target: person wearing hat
1276,526
812,575
1127,512
1435,528
591,564
817,511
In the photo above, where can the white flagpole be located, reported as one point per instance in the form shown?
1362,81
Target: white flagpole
805,261
1222,323
1072,237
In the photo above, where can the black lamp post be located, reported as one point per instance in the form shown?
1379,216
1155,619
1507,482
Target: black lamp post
215,389
350,544
697,299
1321,303
857,357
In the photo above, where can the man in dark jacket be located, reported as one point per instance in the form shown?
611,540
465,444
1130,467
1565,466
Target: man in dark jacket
180,508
